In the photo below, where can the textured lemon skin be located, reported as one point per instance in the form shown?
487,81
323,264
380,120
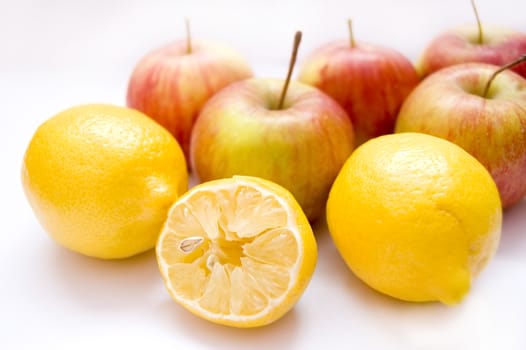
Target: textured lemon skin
415,217
101,178
307,262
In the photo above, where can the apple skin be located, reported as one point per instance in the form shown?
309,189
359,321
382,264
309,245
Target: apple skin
171,86
459,45
301,147
449,104
369,81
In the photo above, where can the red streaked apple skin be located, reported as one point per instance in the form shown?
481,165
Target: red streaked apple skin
459,45
449,104
370,82
171,86
301,147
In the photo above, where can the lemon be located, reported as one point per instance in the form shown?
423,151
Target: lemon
237,251
101,179
415,217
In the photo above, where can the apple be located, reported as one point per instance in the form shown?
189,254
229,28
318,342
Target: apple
171,84
482,109
369,81
284,131
460,45
470,43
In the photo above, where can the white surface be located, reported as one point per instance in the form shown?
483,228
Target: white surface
55,54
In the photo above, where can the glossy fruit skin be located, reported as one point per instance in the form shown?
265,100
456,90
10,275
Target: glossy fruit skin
171,85
369,81
300,147
415,217
100,179
448,104
460,45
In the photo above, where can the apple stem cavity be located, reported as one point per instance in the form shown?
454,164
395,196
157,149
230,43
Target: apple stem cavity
297,40
480,39
519,60
188,37
351,33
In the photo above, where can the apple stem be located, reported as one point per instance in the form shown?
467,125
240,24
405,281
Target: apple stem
188,37
519,60
481,35
351,33
297,40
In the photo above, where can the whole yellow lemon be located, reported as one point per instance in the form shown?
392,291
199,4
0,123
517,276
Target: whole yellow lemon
101,179
415,217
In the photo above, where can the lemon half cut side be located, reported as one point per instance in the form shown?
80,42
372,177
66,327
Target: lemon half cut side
237,251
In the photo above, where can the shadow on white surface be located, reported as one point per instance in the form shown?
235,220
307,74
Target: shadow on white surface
108,285
281,334
513,239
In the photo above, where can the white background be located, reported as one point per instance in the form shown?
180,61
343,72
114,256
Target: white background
58,53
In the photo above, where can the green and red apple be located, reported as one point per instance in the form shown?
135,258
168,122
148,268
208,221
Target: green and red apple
451,104
464,44
369,81
171,84
301,146
297,137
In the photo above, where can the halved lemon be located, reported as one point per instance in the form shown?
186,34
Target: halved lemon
237,251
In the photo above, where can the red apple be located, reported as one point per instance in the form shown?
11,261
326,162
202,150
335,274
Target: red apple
461,45
491,44
451,104
369,81
297,137
172,83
